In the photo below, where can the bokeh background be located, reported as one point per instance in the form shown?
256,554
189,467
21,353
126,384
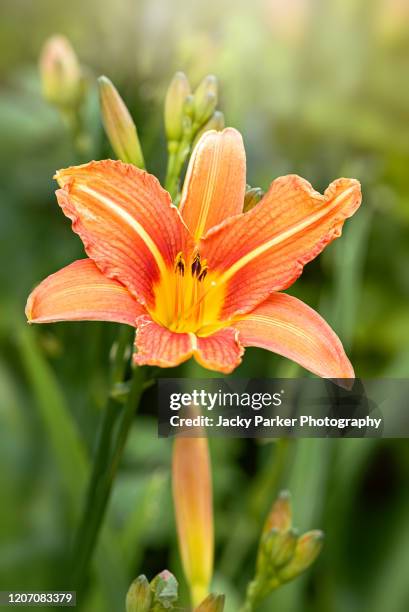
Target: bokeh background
318,88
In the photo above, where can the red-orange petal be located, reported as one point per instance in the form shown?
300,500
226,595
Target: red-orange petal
285,325
221,351
215,182
80,292
159,346
265,249
126,221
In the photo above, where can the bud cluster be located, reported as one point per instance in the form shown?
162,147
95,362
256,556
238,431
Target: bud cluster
283,554
161,595
187,116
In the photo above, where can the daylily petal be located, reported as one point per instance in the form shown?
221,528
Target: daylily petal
222,351
159,346
285,325
265,249
126,221
215,182
80,292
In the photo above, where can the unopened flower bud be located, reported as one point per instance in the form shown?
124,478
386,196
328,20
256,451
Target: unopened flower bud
252,198
280,516
268,545
306,551
192,495
286,548
187,128
164,588
276,549
175,106
119,126
189,106
205,99
139,598
212,603
216,122
61,74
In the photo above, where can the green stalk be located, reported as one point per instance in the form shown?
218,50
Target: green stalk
252,597
110,445
176,160
248,606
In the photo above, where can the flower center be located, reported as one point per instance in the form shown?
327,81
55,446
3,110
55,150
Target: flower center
187,298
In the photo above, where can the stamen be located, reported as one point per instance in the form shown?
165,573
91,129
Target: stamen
180,264
202,274
189,293
196,265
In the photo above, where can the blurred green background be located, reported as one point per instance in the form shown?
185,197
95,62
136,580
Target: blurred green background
318,88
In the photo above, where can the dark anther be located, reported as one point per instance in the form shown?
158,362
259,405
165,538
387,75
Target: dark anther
181,268
202,274
180,264
196,265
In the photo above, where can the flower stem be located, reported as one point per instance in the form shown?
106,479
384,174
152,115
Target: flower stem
252,597
110,445
178,153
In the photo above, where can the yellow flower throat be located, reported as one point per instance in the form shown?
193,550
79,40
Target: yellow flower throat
187,298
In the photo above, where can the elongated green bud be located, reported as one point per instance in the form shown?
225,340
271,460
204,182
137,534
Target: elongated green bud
175,106
216,122
268,545
61,75
205,99
189,106
306,551
139,598
212,603
119,126
286,549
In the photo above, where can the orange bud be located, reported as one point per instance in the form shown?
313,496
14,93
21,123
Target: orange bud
61,75
192,495
280,516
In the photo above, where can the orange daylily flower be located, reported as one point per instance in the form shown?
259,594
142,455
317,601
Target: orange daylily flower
204,280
